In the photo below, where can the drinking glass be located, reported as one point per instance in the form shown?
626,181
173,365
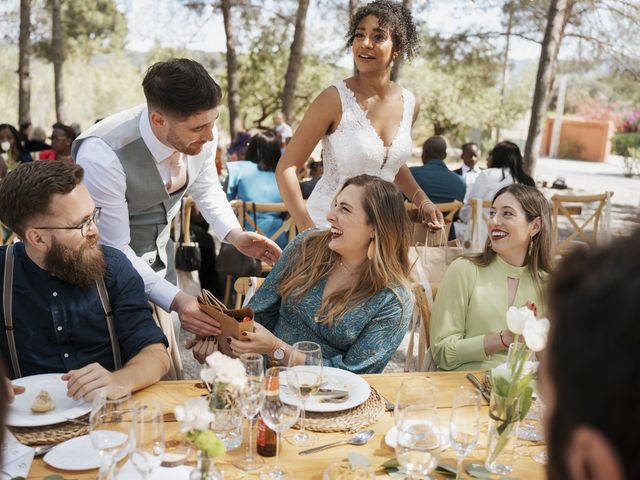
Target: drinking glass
305,382
414,391
464,426
418,444
249,401
149,431
112,422
278,416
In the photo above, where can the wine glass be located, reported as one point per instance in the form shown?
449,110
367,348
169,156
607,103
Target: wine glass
464,426
149,431
306,362
413,391
418,444
112,425
249,401
278,416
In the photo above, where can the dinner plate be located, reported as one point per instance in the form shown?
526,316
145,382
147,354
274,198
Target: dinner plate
391,437
20,414
78,454
333,378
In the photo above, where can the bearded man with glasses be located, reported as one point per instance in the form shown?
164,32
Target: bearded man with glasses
69,305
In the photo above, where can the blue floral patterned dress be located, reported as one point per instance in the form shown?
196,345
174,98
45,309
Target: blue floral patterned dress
362,340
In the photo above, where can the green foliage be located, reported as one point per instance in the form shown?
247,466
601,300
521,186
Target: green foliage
623,142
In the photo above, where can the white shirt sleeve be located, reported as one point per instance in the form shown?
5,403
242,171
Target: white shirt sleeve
478,190
105,179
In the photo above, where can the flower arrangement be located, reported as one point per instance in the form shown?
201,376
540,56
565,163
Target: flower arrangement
511,387
196,419
225,375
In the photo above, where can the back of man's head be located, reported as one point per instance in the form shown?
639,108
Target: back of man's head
434,148
592,355
25,193
180,87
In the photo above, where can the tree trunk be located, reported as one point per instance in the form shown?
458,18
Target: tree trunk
353,6
505,60
295,59
58,58
397,63
559,11
24,80
235,124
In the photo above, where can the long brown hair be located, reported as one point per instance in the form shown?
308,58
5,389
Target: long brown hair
389,268
534,204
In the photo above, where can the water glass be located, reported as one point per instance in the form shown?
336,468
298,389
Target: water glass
464,425
418,444
150,445
414,391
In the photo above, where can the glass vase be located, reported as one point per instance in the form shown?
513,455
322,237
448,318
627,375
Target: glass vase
205,469
227,419
503,429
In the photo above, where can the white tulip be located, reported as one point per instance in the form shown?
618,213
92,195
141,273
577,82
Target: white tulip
194,414
536,333
517,317
224,369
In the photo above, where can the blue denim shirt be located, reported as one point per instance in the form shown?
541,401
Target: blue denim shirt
60,327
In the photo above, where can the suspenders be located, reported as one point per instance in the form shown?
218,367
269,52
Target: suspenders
8,315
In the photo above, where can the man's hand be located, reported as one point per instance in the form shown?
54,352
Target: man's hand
254,245
192,318
82,383
202,347
12,390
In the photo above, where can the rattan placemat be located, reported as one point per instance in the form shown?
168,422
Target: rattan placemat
351,420
49,434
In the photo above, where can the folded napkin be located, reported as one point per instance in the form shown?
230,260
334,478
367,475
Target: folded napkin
129,472
16,458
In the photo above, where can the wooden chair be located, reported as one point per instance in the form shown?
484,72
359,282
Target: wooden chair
243,285
448,209
420,322
7,237
478,224
570,205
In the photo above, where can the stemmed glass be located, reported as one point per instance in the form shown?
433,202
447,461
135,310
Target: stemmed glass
278,416
418,445
464,426
112,422
249,401
149,431
414,390
306,362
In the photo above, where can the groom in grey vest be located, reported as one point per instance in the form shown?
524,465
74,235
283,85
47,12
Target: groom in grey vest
139,164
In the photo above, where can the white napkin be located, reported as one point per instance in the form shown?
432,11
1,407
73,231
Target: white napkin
129,472
16,458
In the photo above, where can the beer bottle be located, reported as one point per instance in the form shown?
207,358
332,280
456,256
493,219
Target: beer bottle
266,437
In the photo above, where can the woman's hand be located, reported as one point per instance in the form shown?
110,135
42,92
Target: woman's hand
532,306
431,215
260,340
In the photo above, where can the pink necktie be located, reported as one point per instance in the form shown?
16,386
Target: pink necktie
178,173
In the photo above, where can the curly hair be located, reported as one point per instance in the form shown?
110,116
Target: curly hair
396,18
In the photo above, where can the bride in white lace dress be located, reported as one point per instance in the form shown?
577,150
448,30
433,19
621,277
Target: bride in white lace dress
364,122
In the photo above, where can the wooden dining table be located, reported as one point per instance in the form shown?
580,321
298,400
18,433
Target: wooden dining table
170,394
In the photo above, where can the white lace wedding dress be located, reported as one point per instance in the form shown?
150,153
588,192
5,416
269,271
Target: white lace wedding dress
355,148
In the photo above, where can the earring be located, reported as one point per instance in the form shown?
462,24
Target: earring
530,246
372,249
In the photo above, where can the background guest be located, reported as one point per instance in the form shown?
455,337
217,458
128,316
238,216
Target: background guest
37,140
62,137
283,130
13,153
316,169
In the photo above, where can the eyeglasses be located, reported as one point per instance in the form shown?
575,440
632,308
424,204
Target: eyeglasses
83,227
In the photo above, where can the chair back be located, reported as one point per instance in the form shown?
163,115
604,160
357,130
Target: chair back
244,212
420,321
583,226
246,286
7,237
448,209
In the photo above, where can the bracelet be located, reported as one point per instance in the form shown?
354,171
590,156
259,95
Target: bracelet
426,202
502,340
413,197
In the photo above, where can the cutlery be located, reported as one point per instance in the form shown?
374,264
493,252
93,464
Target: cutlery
42,449
481,388
75,420
337,398
389,406
359,438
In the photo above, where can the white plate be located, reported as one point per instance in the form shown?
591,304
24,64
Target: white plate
391,437
358,388
77,454
20,414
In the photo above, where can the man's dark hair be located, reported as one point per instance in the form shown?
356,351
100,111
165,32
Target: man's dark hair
69,132
592,353
434,148
396,19
26,191
467,146
506,155
180,87
264,149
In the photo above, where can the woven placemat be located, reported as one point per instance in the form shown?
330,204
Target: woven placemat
49,434
351,420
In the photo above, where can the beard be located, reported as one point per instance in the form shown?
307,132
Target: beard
80,267
180,146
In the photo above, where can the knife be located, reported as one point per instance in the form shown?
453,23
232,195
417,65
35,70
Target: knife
481,388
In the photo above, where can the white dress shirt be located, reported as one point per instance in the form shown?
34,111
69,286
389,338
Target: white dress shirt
469,176
105,178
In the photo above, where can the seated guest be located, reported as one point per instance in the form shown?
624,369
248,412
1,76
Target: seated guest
439,183
346,288
237,150
468,328
61,139
13,153
59,322
254,180
316,169
505,167
37,140
469,169
591,356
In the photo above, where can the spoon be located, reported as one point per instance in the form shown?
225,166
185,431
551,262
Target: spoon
42,449
359,438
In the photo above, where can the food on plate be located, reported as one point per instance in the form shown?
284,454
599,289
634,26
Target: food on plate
43,403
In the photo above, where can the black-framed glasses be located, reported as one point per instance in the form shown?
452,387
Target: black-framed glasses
83,227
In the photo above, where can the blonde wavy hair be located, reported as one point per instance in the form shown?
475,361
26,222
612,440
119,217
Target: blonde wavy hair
389,268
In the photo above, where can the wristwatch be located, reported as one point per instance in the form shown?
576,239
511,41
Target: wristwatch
278,353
